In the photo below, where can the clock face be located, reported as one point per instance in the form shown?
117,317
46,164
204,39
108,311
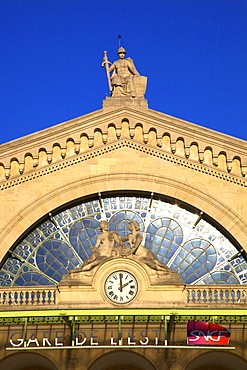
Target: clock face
121,287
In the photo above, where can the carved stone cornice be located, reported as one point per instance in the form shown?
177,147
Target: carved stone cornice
118,144
98,129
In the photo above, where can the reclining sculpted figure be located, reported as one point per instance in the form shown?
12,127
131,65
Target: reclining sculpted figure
103,248
109,244
143,254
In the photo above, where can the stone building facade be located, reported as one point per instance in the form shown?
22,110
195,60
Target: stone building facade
119,163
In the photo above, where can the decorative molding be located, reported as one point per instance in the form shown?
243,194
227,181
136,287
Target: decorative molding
63,141
107,148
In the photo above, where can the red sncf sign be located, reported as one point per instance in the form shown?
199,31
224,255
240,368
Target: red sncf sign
205,333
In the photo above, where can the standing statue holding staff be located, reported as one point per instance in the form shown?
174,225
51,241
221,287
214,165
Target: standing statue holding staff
125,80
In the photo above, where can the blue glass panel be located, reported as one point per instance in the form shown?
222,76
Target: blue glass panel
169,234
44,281
188,246
93,239
83,235
90,232
32,278
115,219
168,243
184,265
63,218
178,239
58,277
217,275
204,244
173,225
35,238
173,247
197,259
12,265
169,255
196,275
190,258
85,244
160,235
220,278
183,253
202,270
196,252
123,225
77,212
55,265
56,251
121,215
196,243
196,265
42,252
20,281
177,260
210,249
57,244
161,232
212,258
165,222
24,250
47,228
209,265
232,280
157,223
157,240
162,251
152,229
149,238
121,221
130,215
46,246
5,279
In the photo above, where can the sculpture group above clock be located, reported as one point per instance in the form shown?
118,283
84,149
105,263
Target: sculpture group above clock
110,245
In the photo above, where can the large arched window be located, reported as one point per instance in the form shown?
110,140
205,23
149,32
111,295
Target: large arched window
183,240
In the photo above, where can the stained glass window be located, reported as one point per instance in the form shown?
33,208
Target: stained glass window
182,240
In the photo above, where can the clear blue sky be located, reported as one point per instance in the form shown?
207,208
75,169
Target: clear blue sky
194,53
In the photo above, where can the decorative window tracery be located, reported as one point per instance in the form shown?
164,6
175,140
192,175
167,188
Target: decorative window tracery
182,240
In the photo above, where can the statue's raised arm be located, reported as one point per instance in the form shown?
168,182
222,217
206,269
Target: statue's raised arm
125,80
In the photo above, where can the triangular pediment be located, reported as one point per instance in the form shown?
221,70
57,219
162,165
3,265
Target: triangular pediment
149,128
123,149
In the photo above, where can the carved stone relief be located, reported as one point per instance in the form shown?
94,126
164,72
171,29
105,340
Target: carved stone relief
110,245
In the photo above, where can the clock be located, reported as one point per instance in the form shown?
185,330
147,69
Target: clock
121,287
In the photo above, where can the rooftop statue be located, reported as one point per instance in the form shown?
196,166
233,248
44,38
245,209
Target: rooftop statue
125,80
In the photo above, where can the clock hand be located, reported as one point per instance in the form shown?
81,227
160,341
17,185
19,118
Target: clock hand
121,282
124,285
